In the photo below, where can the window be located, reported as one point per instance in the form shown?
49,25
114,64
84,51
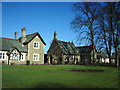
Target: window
36,45
76,58
36,57
14,56
66,59
2,56
71,58
22,57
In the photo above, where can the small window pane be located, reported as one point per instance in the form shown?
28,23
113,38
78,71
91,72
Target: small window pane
0,55
3,55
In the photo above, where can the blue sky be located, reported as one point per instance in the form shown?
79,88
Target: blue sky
42,17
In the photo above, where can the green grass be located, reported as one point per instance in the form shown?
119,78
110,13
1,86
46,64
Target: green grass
58,76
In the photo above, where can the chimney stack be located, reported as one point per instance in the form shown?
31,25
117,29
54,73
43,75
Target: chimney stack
23,34
16,35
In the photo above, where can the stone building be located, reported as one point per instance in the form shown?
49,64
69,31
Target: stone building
19,50
102,57
86,54
61,52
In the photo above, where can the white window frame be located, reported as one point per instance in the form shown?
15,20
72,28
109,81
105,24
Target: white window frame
3,55
15,55
34,59
38,44
22,57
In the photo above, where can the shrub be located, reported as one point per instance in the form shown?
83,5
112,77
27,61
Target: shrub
3,62
28,62
32,63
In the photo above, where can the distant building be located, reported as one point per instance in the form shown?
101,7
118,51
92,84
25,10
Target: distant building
113,57
61,52
102,57
86,54
18,51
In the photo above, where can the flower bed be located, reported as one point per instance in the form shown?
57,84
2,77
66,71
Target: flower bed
87,70
12,63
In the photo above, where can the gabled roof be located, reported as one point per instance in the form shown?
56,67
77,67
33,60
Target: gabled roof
8,43
67,47
12,49
30,37
85,49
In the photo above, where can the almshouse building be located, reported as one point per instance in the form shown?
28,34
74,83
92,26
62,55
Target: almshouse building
61,52
19,50
86,54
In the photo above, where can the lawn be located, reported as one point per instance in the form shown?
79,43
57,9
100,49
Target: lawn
58,76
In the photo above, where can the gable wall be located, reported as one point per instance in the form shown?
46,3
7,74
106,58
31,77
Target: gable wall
32,51
54,50
95,55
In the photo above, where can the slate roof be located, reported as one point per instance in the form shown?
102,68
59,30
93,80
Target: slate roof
31,36
54,57
67,47
8,44
85,49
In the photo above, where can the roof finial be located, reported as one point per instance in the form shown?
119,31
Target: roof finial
72,41
55,35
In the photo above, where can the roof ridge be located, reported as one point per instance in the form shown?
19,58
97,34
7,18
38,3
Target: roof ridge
32,34
8,38
63,41
84,46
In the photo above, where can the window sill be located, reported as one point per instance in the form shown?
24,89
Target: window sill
22,60
36,48
2,59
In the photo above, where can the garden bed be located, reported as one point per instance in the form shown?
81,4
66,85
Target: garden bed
87,70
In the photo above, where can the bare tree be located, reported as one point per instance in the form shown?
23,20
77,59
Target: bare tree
109,32
85,22
115,7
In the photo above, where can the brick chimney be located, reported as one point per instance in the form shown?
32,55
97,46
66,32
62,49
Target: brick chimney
23,34
16,35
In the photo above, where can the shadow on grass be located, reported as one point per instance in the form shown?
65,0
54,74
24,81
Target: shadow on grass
49,85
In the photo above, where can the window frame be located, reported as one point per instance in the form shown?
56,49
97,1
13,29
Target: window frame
35,57
15,55
3,56
22,57
37,44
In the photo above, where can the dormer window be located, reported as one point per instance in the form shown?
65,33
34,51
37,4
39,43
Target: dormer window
36,45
